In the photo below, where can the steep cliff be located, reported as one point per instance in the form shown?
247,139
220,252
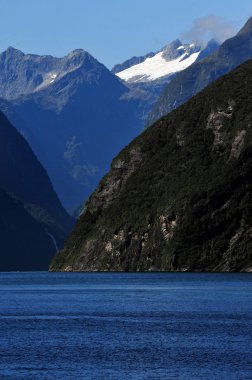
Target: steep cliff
178,198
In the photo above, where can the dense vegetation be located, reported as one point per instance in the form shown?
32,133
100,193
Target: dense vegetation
179,196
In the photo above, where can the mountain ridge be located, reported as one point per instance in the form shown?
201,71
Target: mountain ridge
33,72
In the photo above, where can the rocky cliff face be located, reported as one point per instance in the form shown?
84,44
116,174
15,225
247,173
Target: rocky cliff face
178,198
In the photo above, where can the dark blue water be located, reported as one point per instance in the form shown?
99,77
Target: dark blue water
125,326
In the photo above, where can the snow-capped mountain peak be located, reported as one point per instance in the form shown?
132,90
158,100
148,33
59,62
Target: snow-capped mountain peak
173,58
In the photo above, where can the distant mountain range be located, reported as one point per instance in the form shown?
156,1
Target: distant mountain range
75,114
189,82
33,223
179,197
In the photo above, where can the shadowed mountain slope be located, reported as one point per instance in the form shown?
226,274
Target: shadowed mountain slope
74,113
33,222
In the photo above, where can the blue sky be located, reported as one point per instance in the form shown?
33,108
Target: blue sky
112,30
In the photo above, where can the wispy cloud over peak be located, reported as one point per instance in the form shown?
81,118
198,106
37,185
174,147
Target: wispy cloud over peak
211,26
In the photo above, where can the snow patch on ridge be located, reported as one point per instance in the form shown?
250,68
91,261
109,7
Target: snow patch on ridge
48,78
51,77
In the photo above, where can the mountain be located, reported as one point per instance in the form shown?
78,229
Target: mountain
172,58
33,223
75,114
189,82
179,197
164,64
152,72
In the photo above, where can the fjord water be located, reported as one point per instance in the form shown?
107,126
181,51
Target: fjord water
125,326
